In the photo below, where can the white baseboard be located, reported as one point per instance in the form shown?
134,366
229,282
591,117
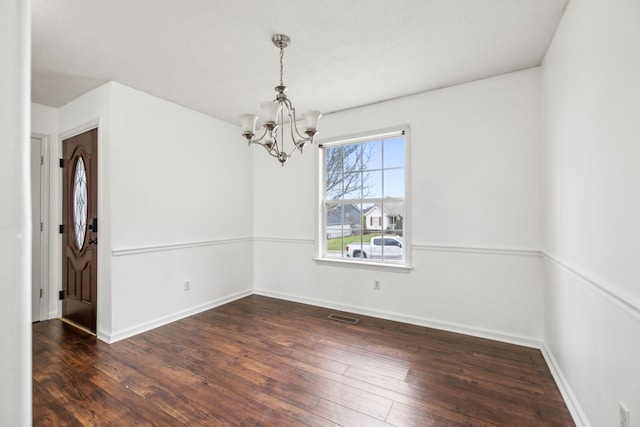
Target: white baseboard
110,337
413,320
579,417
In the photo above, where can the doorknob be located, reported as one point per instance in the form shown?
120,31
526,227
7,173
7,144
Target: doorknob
93,241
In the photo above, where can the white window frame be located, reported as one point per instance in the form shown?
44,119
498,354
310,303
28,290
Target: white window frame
321,190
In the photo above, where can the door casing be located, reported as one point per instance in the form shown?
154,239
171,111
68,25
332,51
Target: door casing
40,251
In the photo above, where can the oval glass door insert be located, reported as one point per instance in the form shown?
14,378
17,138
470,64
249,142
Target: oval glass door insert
80,202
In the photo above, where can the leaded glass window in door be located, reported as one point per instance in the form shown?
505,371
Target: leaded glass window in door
80,202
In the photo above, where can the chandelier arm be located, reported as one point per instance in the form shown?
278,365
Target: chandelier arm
291,116
302,139
257,141
272,152
297,145
293,125
293,150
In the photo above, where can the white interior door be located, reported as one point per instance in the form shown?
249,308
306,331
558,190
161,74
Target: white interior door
36,223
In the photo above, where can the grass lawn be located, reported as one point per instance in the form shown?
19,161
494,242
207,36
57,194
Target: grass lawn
339,243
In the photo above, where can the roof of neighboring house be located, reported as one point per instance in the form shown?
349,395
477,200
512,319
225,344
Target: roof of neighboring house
391,208
351,213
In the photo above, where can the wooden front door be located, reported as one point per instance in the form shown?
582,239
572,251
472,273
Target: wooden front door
80,229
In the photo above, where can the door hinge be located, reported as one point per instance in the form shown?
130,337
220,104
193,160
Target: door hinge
40,292
61,295
61,228
41,227
41,160
61,163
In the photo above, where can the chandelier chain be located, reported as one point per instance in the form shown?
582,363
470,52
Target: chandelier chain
281,66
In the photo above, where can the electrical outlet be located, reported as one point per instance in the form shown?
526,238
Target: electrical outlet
376,285
187,285
625,416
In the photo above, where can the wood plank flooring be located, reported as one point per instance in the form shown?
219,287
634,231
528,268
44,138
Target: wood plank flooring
265,362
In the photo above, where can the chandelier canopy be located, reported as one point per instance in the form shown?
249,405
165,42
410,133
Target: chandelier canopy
273,115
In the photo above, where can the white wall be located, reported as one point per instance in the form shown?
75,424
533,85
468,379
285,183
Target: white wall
591,104
15,215
171,208
181,209
44,120
475,208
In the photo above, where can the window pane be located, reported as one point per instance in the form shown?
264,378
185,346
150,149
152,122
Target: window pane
335,230
335,216
333,159
353,216
334,186
333,173
374,184
352,157
373,155
394,152
393,249
394,210
373,218
394,183
352,184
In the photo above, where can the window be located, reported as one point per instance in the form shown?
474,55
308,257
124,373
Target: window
363,191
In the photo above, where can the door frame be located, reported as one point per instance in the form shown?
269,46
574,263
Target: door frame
87,126
45,186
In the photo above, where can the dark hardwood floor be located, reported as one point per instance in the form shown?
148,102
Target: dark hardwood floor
265,362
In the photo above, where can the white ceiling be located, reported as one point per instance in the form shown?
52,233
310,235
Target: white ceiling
216,56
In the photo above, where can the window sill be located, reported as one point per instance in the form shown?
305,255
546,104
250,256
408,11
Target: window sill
366,265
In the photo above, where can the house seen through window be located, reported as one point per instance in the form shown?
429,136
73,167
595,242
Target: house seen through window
364,206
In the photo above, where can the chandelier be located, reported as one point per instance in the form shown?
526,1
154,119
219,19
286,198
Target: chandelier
274,113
